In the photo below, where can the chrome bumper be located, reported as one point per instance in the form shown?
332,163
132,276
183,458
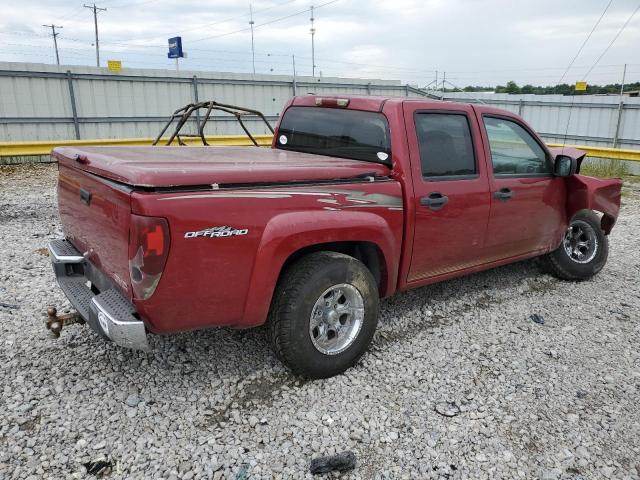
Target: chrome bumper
108,313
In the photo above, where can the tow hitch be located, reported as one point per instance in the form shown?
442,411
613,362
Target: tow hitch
55,322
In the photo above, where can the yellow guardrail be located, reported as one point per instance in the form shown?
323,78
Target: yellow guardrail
605,152
21,149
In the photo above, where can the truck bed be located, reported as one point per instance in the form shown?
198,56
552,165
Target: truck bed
100,188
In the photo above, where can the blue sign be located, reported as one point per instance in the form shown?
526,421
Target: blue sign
175,48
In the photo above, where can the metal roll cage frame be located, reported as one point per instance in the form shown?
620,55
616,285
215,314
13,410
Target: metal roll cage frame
183,114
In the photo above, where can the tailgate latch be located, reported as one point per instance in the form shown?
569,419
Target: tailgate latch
85,196
83,159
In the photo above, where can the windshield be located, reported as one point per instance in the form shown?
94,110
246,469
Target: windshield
342,133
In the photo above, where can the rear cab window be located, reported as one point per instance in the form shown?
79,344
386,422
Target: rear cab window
446,145
353,134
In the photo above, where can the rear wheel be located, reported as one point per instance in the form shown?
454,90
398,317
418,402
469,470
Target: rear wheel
583,251
324,314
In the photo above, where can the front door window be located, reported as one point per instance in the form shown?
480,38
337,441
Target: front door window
514,151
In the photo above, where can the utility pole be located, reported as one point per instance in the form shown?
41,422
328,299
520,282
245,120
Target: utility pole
444,79
313,47
95,22
620,107
253,52
294,83
624,74
54,34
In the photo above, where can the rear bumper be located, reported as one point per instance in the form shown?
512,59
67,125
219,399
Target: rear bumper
108,313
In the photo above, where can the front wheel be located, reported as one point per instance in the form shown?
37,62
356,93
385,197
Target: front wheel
583,251
324,314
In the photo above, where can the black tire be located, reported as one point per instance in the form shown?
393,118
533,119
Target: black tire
298,290
562,265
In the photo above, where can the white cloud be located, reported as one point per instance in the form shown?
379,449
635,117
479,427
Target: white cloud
474,41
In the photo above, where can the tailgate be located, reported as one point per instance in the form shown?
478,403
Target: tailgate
95,215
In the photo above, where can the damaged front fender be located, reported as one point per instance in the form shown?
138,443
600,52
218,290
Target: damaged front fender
590,193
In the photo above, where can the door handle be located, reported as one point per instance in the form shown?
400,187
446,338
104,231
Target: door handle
435,201
503,194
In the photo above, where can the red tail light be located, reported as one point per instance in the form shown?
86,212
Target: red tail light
148,250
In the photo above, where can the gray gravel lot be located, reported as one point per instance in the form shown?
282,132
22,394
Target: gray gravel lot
528,400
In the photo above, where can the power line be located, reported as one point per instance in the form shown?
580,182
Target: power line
235,52
384,67
595,63
613,40
209,25
585,41
95,22
279,19
54,34
72,13
24,34
203,63
142,53
134,4
218,22
128,45
387,69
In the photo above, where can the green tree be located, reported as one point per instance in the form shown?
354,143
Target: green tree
561,89
512,87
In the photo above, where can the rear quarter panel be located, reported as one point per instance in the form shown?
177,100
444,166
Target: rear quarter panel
229,281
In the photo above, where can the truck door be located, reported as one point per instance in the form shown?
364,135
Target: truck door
451,189
527,201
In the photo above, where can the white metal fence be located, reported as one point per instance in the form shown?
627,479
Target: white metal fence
46,102
600,120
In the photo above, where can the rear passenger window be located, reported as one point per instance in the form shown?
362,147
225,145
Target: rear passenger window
446,147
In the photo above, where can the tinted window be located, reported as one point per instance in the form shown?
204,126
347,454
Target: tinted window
513,150
336,132
445,144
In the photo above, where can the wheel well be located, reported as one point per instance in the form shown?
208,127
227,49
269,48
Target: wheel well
606,221
367,252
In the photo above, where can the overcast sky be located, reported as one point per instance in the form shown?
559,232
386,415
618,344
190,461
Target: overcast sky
479,42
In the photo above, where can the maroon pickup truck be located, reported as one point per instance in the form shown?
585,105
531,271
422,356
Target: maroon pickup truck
358,198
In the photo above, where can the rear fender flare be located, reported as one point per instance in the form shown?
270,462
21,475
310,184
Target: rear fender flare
288,233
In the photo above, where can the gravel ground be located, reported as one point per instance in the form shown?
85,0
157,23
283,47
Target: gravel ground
459,382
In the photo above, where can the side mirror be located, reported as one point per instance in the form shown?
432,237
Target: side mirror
565,166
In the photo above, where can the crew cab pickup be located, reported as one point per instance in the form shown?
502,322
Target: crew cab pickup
358,198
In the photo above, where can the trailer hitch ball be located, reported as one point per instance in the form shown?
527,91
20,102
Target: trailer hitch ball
55,323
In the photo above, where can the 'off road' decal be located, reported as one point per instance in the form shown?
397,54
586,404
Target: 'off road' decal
215,232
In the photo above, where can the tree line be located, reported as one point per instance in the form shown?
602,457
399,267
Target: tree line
562,89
